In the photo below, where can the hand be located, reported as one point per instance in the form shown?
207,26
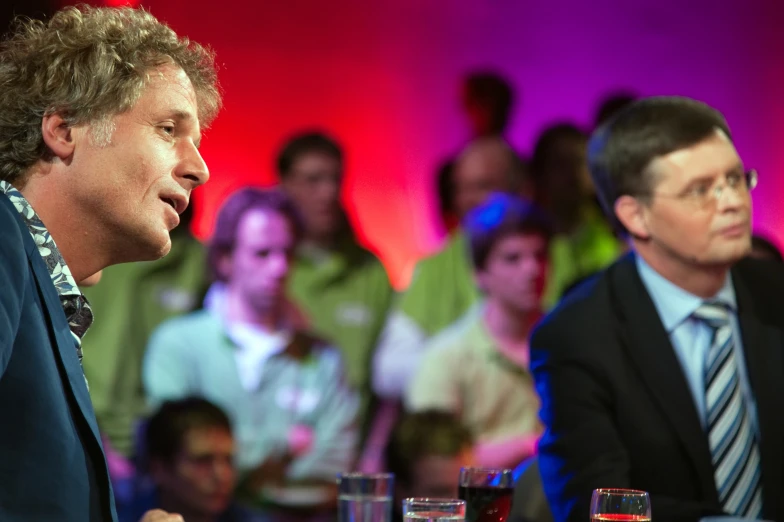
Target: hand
300,439
158,515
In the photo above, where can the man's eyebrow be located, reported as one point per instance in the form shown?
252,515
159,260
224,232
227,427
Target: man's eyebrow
181,115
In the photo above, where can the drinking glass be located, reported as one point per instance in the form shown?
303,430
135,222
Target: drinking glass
433,510
624,505
365,497
487,492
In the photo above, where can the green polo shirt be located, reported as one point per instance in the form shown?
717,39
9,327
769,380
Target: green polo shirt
129,302
462,371
345,293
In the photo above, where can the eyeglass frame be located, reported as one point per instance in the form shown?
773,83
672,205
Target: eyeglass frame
749,179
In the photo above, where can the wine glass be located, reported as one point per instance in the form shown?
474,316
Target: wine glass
620,505
487,492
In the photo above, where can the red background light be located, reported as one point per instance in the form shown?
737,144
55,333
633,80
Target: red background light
382,76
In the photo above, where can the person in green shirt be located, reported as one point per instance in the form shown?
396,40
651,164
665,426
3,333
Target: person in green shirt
477,368
443,288
292,410
342,288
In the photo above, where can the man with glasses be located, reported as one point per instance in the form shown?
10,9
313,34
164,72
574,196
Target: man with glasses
665,373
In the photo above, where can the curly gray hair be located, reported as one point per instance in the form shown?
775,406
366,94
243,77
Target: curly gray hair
87,64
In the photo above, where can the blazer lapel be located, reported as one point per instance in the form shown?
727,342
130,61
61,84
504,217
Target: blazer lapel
65,349
651,351
763,347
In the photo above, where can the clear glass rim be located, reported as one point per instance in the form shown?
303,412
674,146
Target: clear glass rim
621,491
371,476
430,501
471,469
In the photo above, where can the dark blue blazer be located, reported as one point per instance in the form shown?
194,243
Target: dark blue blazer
617,406
52,466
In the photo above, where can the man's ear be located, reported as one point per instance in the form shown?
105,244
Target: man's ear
57,136
631,213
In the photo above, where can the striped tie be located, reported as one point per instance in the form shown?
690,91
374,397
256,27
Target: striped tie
734,451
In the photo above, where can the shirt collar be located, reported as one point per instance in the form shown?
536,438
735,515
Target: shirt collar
675,304
58,269
478,336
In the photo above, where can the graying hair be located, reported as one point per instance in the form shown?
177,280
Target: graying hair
87,64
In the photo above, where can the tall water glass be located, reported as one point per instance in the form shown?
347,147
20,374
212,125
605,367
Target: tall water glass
365,497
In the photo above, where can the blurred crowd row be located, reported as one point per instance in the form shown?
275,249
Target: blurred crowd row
278,354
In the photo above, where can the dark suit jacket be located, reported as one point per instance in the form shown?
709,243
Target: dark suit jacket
617,406
52,466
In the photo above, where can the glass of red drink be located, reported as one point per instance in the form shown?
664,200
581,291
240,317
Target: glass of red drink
487,492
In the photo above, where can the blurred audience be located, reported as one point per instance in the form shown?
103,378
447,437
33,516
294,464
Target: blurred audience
584,241
293,412
342,288
131,300
189,457
487,100
425,452
762,248
442,288
477,368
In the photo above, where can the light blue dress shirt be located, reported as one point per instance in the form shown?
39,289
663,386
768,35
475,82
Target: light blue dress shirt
691,338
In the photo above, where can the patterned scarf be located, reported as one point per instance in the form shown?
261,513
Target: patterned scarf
77,309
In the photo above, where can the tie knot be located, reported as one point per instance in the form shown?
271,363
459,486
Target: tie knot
715,314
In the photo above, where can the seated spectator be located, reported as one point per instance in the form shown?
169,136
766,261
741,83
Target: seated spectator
189,455
762,248
425,452
442,288
584,241
293,413
477,368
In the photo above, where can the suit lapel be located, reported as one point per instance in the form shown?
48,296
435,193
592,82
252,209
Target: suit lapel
65,349
649,347
763,346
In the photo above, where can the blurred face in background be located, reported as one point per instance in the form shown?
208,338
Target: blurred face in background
258,266
486,166
567,181
313,184
515,272
201,477
436,476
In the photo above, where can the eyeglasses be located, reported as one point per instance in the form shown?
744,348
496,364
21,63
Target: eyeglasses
704,194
